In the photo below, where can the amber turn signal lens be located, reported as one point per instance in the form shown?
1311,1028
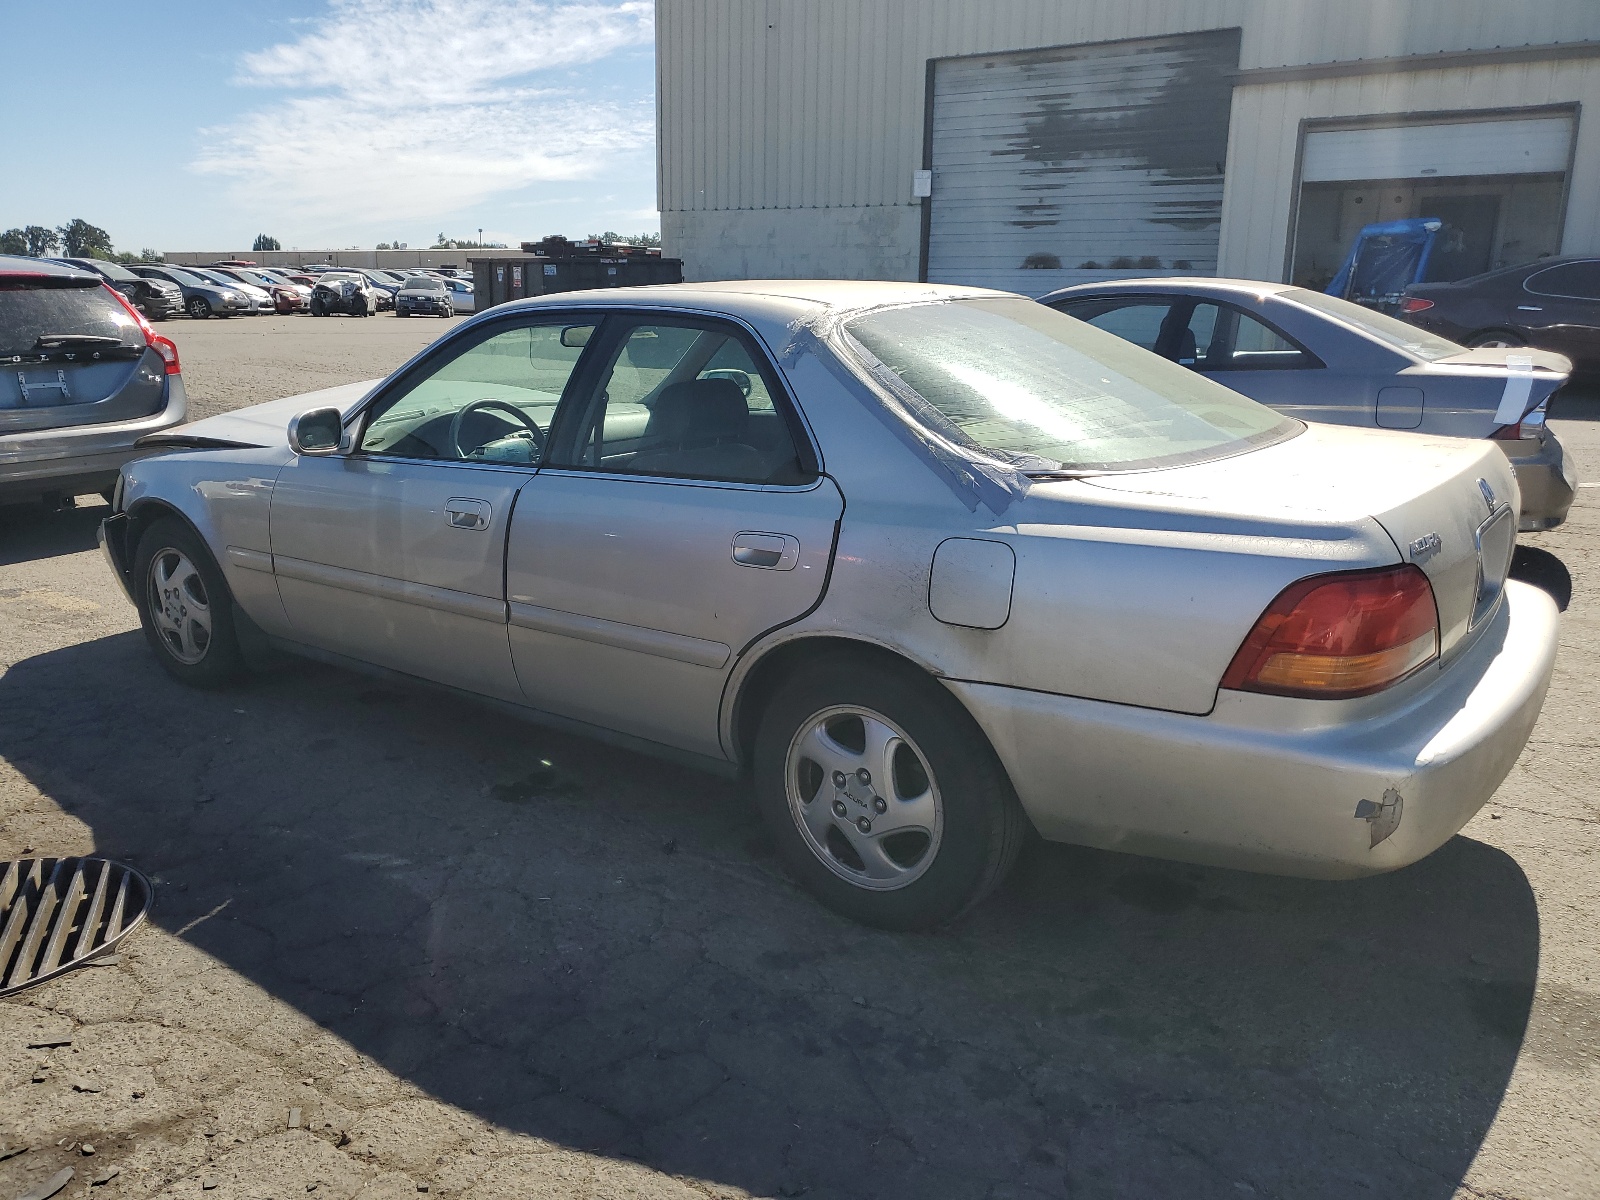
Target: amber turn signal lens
1350,633
1415,304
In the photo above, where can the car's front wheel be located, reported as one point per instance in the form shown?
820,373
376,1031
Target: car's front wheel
199,307
184,606
884,797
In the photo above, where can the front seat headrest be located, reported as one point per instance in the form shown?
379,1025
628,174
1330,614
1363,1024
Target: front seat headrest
698,411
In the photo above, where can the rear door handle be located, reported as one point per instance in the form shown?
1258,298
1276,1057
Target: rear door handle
463,512
769,551
1529,308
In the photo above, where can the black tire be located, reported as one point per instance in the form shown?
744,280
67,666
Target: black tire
198,307
981,826
167,607
317,309
1495,337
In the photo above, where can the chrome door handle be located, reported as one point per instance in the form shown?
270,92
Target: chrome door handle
769,551
462,512
1529,308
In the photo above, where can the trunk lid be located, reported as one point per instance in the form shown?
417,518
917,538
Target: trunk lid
1448,504
1510,386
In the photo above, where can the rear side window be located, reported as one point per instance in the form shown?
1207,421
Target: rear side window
1576,280
33,316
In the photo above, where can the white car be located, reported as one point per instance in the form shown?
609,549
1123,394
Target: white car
933,566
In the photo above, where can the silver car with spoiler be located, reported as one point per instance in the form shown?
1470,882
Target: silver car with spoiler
1321,358
932,567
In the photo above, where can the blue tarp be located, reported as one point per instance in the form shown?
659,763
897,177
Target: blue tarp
1386,259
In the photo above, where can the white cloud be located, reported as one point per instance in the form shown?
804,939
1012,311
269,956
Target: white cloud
410,109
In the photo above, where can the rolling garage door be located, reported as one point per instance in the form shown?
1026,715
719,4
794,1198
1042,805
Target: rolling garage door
1058,166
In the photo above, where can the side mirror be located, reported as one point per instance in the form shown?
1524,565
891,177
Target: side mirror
575,337
316,431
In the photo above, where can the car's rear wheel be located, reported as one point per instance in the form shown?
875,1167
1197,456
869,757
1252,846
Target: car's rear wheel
1495,339
884,797
199,307
184,606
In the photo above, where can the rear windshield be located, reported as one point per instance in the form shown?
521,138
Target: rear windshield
1049,393
112,271
187,278
1407,339
29,312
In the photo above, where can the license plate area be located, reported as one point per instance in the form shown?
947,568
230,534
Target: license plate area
1496,541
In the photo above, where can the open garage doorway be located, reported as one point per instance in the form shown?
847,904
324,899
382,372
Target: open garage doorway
1498,184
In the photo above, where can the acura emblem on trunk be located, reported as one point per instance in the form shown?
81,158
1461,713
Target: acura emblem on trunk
1424,547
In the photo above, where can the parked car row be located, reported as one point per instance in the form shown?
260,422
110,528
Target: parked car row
233,288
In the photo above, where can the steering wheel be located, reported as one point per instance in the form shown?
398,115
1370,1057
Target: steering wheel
523,418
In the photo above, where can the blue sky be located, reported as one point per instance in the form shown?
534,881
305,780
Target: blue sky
180,124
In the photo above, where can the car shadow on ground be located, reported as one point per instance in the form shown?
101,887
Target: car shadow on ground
29,532
1545,571
599,949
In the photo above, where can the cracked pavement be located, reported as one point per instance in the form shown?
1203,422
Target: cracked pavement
406,945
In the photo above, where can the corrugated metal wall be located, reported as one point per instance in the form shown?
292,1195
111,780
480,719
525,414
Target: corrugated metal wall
815,107
1053,167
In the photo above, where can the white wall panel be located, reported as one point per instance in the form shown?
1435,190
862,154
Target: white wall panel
1502,147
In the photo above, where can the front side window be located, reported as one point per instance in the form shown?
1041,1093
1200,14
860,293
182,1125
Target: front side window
1030,386
687,400
1139,322
490,402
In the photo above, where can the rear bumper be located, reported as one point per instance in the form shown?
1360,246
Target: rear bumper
80,458
1264,784
1547,483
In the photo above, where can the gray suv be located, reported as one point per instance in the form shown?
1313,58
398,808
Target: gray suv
85,378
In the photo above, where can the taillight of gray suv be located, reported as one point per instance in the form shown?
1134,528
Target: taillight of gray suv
85,376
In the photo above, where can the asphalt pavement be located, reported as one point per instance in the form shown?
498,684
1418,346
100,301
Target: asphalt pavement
403,944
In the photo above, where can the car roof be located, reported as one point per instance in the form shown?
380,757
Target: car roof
1182,284
734,295
21,264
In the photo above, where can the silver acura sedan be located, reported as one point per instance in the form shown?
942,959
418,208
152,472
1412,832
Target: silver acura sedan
1321,358
932,566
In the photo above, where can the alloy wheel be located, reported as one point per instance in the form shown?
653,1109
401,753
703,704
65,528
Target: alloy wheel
179,606
864,798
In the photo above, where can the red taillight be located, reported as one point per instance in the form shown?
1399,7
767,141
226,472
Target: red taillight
1346,634
161,345
1415,304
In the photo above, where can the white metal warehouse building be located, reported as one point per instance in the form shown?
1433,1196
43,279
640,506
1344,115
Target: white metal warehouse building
1028,144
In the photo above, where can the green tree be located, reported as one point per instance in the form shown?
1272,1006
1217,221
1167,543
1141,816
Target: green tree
13,241
150,256
82,240
41,241
265,241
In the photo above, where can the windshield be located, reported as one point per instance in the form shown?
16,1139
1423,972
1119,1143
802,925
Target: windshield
1048,393
187,278
1408,339
216,277
422,283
